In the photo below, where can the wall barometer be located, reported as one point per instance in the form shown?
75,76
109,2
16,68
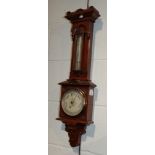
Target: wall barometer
76,100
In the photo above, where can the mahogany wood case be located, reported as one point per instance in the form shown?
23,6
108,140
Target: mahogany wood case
82,21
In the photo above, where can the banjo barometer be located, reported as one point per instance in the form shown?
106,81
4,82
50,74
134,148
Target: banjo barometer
77,92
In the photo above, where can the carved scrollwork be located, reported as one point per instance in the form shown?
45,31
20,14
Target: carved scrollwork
75,132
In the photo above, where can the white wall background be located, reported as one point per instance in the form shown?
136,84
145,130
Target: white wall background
94,141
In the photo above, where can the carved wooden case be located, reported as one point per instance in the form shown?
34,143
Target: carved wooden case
82,21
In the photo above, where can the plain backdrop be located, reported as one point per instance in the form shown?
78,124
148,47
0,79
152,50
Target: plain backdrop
23,77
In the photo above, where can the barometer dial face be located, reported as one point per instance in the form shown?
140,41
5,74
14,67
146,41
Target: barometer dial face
73,102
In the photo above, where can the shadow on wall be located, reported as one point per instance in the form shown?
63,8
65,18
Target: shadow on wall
97,27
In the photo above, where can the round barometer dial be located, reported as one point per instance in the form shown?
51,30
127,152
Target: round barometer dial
73,102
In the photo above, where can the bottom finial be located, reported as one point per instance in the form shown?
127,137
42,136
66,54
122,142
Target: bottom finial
75,132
